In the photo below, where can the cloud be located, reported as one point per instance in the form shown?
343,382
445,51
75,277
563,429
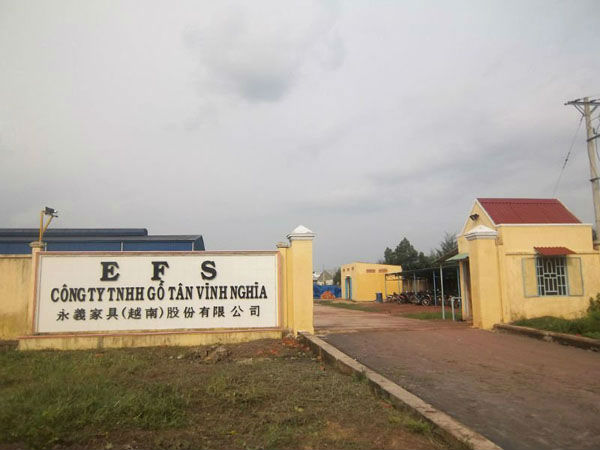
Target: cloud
351,201
365,121
258,51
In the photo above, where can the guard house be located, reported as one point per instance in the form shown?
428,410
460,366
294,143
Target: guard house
363,281
525,258
16,241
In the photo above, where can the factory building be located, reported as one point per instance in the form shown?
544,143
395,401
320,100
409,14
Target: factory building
15,241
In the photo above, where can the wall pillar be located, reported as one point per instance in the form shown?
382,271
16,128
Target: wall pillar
36,247
287,317
485,277
299,280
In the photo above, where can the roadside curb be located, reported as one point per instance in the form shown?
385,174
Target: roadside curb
551,336
400,397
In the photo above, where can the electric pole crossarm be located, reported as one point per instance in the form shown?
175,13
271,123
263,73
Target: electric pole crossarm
583,102
579,104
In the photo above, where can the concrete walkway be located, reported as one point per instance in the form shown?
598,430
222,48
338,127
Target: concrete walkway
519,392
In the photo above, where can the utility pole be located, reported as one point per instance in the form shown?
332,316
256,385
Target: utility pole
586,107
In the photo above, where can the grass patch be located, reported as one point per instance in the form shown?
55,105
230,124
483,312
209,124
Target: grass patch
346,305
266,394
359,377
414,424
588,326
67,396
434,315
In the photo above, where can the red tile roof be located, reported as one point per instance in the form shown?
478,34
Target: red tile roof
553,251
527,210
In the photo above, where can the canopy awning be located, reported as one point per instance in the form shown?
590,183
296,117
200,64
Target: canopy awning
459,257
554,251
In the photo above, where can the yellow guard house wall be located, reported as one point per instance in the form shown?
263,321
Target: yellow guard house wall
17,293
500,287
15,290
364,280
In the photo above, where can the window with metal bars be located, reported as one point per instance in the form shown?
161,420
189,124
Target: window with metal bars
551,274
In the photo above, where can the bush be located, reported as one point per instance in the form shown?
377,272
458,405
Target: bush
594,304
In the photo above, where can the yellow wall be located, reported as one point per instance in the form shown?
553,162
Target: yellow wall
516,238
485,283
365,283
15,291
417,285
503,261
483,219
117,340
296,289
287,313
300,285
520,306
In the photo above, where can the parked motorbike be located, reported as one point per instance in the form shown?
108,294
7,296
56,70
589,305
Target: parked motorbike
419,298
393,298
404,297
425,298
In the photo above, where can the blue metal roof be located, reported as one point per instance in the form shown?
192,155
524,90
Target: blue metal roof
16,240
73,232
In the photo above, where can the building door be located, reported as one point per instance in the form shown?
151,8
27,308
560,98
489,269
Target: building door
348,286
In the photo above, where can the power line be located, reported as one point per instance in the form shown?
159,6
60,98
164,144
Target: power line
567,158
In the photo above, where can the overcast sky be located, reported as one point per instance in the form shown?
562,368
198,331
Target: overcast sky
364,121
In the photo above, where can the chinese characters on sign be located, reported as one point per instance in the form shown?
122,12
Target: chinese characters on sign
154,313
156,292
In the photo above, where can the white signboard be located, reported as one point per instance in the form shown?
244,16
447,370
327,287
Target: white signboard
156,291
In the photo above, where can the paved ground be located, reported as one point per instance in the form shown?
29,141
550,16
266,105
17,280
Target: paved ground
335,320
517,391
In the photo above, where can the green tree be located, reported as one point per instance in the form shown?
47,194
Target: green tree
406,255
447,245
337,276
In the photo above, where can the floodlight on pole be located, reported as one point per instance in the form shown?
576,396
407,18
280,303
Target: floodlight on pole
51,213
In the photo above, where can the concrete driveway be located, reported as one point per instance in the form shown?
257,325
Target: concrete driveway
519,392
